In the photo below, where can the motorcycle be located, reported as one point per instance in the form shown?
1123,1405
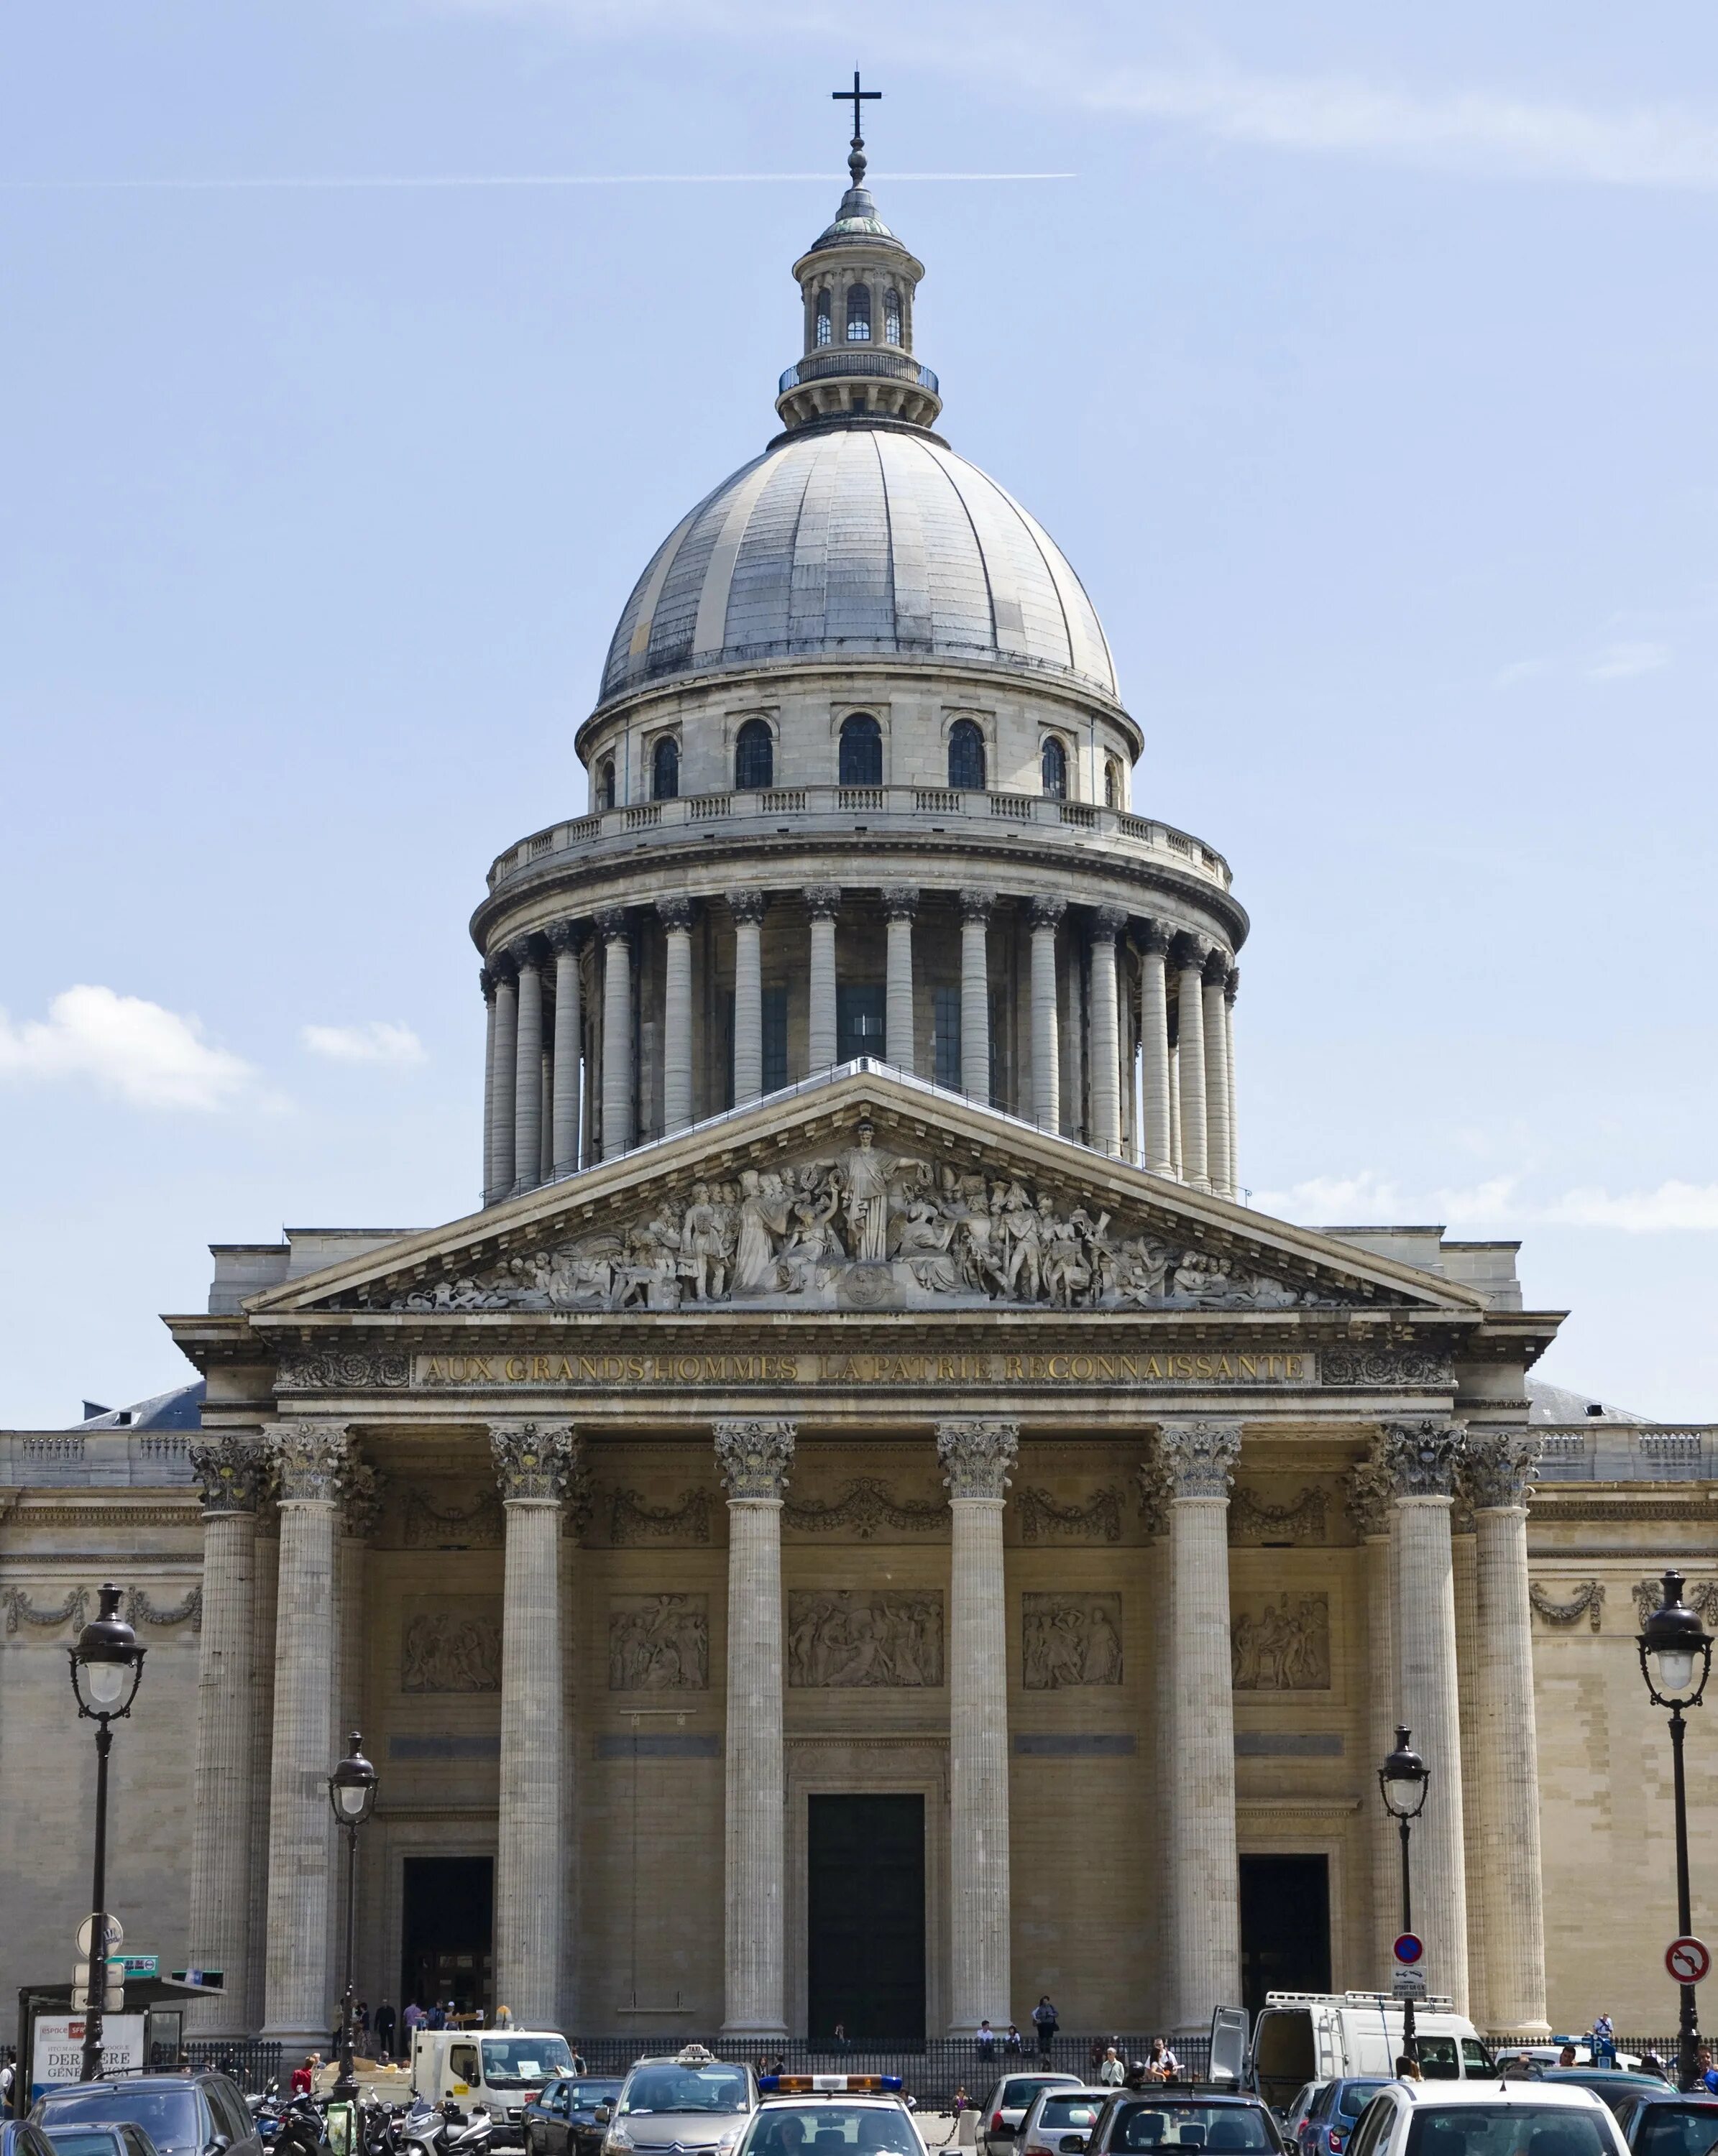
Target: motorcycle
430,2129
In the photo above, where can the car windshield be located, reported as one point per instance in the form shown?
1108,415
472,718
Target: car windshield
587,2095
1019,2092
168,2116
1439,2061
824,2129
1509,2129
94,2141
1353,2097
524,2058
1677,2129
685,2088
1157,2125
1070,2110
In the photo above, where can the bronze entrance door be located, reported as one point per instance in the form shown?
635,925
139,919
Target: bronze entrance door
865,1899
1285,1926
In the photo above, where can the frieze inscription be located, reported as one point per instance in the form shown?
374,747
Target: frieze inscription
1133,1370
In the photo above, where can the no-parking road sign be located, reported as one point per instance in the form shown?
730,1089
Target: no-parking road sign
1688,1960
1408,1948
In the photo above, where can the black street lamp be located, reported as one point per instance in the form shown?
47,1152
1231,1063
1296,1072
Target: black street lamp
106,1668
1676,1659
352,1791
1403,1780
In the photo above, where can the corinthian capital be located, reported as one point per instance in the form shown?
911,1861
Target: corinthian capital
308,1459
1419,1458
674,914
976,905
1108,922
1370,1498
900,901
823,901
1497,1467
747,906
360,1500
752,1457
1199,1457
1154,937
230,1474
976,1456
534,1460
1045,912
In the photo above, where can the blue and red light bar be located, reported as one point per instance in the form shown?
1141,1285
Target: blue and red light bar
828,2084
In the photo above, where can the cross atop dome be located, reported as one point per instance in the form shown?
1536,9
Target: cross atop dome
855,160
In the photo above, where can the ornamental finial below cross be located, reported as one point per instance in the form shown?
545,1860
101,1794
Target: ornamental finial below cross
856,97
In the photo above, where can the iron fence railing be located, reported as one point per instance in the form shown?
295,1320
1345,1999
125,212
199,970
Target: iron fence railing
252,2063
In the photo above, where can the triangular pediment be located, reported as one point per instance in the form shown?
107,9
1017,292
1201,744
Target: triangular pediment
865,1193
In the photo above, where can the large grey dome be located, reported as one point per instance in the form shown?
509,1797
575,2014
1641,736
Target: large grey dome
860,540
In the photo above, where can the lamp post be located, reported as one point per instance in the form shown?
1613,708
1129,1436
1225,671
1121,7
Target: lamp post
1676,1659
352,1791
106,1668
1403,1780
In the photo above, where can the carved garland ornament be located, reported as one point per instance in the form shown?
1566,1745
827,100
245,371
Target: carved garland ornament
1303,1521
1386,1367
480,1526
342,1369
632,1520
976,1456
752,1458
1587,1601
141,1611
1702,1601
20,1609
1099,1520
864,1505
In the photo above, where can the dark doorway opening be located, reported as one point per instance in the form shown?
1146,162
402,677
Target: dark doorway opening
1285,1926
859,1019
865,1960
448,1933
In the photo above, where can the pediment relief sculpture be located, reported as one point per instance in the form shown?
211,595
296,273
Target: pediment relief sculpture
861,1228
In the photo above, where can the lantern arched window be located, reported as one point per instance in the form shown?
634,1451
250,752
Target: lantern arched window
858,314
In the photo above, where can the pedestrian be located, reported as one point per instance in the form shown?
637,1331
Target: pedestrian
433,2017
1566,2057
1044,2014
1136,2076
840,2039
1163,2065
413,2019
579,2065
961,2102
1408,2069
1705,2074
304,2077
1651,2063
503,2017
1012,2045
1604,2042
1111,2072
384,2030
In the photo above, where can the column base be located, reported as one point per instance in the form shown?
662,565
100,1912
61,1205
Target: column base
772,2032
1522,2032
295,2043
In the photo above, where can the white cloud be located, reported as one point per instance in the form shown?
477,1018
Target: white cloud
1671,1205
1495,1206
138,1051
1618,662
378,1042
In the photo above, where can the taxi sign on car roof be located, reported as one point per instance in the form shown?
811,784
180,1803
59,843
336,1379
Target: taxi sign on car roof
829,2084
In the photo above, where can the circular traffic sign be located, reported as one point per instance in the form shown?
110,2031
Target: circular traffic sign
1688,1959
1408,1948
113,1929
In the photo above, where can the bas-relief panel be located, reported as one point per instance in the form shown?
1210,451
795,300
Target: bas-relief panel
846,1638
659,1642
453,1644
1069,1640
1281,1643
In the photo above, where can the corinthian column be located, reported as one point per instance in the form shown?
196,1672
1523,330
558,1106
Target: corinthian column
823,902
676,915
976,994
230,1475
527,1068
1154,1048
1045,915
976,1459
1107,924
1498,1471
900,904
617,1032
1231,989
485,982
752,1460
535,1463
1198,1461
1420,1459
1216,1073
747,907
1190,1057
507,1057
1372,1507
309,1460
570,1042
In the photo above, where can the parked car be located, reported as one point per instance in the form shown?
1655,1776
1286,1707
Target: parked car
122,2140
1609,2085
1301,2036
1006,2106
1293,2113
694,2102
1334,2112
19,2138
1485,2118
1058,2121
1174,2116
1660,2122
183,2114
563,2121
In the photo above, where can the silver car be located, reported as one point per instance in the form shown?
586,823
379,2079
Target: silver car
1006,2106
693,2104
1058,2120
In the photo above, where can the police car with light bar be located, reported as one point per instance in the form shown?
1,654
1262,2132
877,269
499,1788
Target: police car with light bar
831,2115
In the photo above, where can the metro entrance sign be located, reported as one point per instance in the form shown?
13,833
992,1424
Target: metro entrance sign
1688,1959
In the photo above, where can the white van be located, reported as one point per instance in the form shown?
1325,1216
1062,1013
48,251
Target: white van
1301,2036
498,2071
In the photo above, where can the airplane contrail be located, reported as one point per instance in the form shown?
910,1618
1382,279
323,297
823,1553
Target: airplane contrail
405,182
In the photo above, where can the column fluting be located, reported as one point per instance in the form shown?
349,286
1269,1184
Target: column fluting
1372,1507
1216,1073
563,940
617,1032
752,1460
485,983
747,907
1154,1048
1044,916
309,1460
976,994
230,1475
1498,1470
1198,1462
676,915
900,906
977,1457
1420,1458
1231,989
1108,922
537,1466
1190,1055
507,1057
528,1067
823,902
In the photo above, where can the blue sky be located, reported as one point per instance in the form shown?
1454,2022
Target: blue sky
1364,370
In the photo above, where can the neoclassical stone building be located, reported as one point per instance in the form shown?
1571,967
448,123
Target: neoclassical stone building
861,1522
